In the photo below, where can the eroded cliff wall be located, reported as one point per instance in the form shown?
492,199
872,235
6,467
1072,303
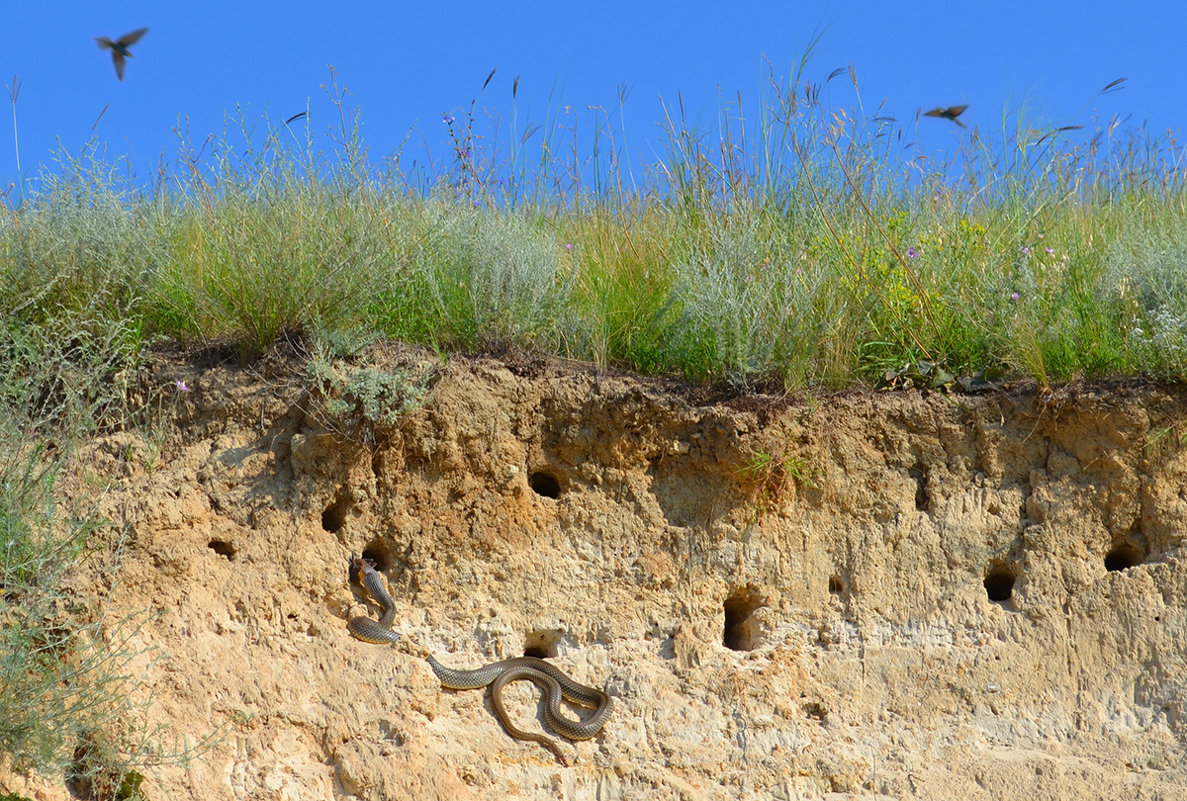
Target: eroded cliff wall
899,594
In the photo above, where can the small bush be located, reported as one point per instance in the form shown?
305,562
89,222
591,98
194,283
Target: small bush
363,402
63,663
58,673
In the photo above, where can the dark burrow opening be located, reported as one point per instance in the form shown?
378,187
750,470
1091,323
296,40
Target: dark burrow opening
93,772
742,630
334,516
545,484
541,644
378,555
222,548
816,711
834,585
999,583
919,474
1122,556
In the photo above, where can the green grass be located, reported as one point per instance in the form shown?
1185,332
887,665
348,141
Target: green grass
809,249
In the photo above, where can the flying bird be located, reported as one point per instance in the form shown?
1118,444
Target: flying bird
119,48
950,113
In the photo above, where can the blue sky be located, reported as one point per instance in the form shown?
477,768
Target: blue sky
405,64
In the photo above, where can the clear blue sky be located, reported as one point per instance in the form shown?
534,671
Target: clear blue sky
405,64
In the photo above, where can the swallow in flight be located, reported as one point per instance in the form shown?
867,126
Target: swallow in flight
950,113
119,48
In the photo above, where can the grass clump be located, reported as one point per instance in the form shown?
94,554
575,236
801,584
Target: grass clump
470,279
1147,268
743,302
260,251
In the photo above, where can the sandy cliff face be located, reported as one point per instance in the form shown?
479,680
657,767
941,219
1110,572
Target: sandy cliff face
914,596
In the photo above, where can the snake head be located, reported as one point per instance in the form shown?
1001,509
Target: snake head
359,565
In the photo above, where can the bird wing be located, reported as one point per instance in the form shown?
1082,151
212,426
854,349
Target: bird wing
956,111
935,112
104,43
131,38
118,59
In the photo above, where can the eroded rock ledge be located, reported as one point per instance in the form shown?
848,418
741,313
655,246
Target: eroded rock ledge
903,595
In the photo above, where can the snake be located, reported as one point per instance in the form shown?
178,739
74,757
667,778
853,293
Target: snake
554,682
378,632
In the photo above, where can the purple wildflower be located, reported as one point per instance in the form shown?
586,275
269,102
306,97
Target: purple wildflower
569,246
912,253
1026,250
446,118
1014,296
181,385
1049,251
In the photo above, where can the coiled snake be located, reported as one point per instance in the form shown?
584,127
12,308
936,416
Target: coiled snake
364,628
555,683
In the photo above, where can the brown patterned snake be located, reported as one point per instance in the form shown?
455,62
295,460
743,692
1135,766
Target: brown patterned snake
555,683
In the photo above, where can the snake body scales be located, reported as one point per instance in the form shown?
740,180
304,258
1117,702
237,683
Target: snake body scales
379,631
554,682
